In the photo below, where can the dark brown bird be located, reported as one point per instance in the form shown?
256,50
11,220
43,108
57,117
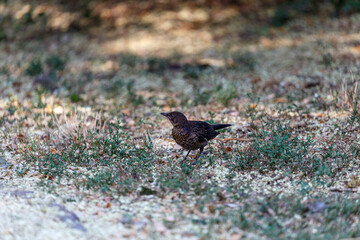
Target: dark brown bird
192,135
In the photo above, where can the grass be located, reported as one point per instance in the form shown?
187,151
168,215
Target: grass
122,161
275,146
99,129
292,217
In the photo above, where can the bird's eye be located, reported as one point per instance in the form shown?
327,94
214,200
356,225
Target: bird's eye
171,115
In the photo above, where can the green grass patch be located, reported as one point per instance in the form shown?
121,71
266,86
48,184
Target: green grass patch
276,146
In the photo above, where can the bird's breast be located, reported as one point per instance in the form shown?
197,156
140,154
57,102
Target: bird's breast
186,139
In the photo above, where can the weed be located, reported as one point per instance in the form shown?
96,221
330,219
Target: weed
274,146
284,217
75,97
55,63
347,97
157,65
12,106
280,17
129,60
201,96
327,60
114,87
101,180
35,67
4,70
173,182
132,97
39,96
355,102
244,61
192,71
224,94
123,161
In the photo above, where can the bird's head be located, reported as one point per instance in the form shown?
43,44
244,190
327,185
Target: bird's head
176,118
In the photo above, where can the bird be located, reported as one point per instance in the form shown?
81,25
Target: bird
192,135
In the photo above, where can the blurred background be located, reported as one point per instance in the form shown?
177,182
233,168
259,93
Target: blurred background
192,52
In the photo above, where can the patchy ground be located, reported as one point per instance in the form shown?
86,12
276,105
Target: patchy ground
85,153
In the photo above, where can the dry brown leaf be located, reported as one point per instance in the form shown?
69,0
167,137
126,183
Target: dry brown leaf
20,137
126,111
211,208
280,100
255,80
356,49
8,173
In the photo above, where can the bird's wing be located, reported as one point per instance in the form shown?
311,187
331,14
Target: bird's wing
202,130
202,137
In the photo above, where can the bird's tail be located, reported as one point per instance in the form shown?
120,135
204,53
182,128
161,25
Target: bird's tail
220,126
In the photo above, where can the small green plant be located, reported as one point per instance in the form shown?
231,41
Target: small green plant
201,96
224,94
355,112
55,63
34,68
244,61
4,70
114,87
327,60
173,182
39,92
12,106
101,180
130,60
132,97
121,161
280,17
75,97
275,147
157,65
191,71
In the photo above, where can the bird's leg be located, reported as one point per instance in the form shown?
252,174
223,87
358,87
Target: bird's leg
186,156
201,150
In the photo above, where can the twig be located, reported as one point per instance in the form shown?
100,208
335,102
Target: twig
342,190
230,139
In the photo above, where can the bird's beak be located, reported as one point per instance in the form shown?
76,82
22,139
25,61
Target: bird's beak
164,114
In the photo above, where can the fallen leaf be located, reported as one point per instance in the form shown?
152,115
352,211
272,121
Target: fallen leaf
280,100
7,174
20,137
356,49
211,208
175,155
160,161
253,106
255,80
126,111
